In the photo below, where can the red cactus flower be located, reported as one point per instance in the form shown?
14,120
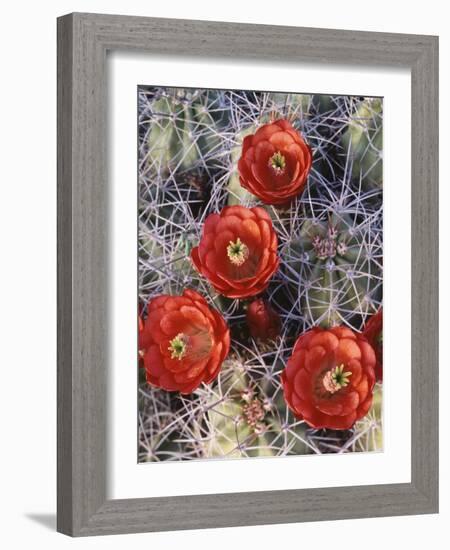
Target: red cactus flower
263,322
186,342
238,251
143,341
329,379
275,163
373,331
143,336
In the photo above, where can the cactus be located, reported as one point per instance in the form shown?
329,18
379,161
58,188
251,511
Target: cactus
184,130
366,436
317,116
244,415
336,264
239,420
189,144
249,416
363,139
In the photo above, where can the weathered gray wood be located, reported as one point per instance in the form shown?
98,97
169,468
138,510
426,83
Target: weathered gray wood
424,276
83,40
82,261
64,193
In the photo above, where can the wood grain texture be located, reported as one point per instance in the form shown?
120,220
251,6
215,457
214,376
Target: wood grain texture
424,276
64,198
83,202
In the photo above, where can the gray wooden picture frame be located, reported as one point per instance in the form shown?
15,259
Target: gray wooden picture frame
83,41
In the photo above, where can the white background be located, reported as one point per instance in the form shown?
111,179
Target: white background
28,267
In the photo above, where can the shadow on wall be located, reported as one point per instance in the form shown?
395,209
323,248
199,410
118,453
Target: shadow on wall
46,520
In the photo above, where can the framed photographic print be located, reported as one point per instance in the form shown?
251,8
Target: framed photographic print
247,274
246,244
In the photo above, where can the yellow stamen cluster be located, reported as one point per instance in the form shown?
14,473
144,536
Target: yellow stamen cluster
277,162
178,346
336,378
237,252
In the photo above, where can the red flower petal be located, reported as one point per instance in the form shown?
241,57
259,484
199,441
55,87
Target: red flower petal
255,232
173,323
373,332
264,133
314,358
255,172
157,302
325,339
247,143
329,378
347,350
207,342
240,211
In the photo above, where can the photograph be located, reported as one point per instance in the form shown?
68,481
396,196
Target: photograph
260,267
226,216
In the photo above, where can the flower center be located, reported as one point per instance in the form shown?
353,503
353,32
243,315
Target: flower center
237,252
336,378
277,162
178,346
